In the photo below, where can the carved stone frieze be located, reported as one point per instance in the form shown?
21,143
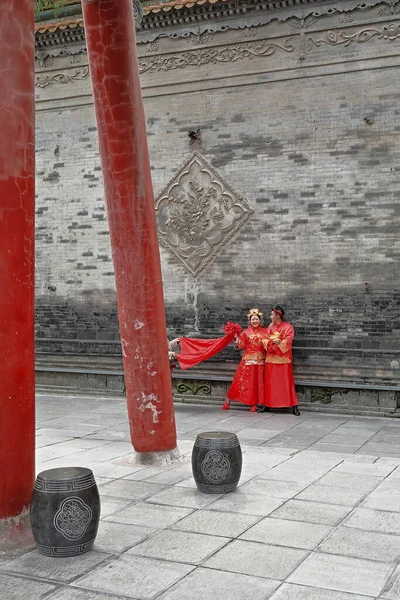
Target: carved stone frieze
302,25
323,395
346,18
252,14
206,19
197,213
64,77
389,9
218,54
59,40
183,386
153,46
45,58
200,38
388,33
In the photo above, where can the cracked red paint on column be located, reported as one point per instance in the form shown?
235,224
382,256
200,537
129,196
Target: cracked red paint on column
111,43
17,197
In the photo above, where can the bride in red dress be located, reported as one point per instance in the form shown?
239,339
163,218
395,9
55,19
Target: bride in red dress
248,384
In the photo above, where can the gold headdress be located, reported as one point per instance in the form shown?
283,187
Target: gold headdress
255,312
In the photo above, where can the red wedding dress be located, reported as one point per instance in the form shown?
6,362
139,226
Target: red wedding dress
248,384
279,382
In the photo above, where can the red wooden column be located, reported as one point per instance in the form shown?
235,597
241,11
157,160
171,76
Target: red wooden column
111,44
17,198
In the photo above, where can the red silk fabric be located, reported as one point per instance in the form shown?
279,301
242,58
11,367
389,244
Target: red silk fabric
194,351
280,390
247,385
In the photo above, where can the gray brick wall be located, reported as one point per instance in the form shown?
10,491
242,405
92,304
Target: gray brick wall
313,146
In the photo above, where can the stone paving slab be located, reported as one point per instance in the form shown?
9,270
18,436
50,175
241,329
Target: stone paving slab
289,591
113,469
253,558
374,520
287,533
173,476
246,504
53,569
134,577
312,512
47,440
131,490
385,497
75,594
363,544
118,537
144,514
216,523
275,489
392,588
179,546
207,584
344,574
329,447
15,588
315,516
110,505
376,469
362,482
330,494
187,498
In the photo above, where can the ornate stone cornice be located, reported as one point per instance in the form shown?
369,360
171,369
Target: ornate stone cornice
200,19
207,18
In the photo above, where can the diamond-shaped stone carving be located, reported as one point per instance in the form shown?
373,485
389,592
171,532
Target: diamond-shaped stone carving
198,212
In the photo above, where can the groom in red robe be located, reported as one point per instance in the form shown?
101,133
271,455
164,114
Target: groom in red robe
279,382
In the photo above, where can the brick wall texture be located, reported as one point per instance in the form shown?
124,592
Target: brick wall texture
313,145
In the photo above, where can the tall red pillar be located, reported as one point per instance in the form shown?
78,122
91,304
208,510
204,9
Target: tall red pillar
111,44
17,198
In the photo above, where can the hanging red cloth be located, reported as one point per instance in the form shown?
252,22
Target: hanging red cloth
194,351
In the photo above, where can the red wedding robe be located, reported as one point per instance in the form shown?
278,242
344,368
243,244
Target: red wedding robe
279,381
248,384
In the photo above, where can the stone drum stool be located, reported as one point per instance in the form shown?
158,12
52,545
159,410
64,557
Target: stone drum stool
216,462
65,511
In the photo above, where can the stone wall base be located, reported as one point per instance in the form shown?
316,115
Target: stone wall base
16,535
321,398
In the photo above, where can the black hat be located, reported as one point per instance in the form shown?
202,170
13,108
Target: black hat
279,311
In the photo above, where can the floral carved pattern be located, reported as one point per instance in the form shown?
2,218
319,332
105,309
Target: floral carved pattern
387,11
224,54
197,213
72,518
336,38
44,80
202,388
215,466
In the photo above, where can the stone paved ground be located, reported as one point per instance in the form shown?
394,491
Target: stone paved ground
316,516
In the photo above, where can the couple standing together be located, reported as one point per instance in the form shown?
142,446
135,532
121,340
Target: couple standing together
264,378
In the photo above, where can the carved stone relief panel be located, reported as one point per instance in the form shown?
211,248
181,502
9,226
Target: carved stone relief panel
65,55
192,386
218,54
389,33
392,7
254,15
197,213
62,77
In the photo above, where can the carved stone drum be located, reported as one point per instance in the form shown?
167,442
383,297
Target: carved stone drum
216,462
65,511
